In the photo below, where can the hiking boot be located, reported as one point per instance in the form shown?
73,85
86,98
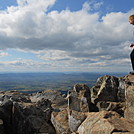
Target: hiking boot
132,73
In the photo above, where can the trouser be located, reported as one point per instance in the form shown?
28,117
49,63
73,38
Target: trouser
132,58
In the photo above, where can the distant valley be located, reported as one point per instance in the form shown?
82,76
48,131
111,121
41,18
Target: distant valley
33,82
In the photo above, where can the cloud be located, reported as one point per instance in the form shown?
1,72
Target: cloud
93,5
3,54
24,65
56,55
79,37
98,5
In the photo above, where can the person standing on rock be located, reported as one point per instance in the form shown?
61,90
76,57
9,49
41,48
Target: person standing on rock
131,21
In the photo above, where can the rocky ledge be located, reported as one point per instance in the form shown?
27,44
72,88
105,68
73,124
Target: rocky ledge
106,108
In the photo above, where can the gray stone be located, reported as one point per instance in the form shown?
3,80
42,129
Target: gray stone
60,121
105,122
106,89
58,101
75,120
15,96
121,90
6,115
129,111
35,117
118,107
1,127
79,99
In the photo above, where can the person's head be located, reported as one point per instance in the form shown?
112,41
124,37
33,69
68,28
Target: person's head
131,19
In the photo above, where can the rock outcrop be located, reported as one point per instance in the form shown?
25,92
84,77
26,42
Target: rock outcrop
60,121
106,108
109,94
106,89
129,93
21,116
79,98
58,101
75,119
105,123
1,127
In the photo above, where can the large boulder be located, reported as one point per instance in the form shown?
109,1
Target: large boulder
15,96
21,116
60,122
57,99
129,112
66,121
129,95
75,119
6,115
33,118
79,98
105,123
1,127
121,89
109,94
118,107
106,89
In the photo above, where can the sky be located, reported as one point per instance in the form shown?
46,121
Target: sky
65,35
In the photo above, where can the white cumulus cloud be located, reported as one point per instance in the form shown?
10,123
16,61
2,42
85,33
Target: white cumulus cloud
79,36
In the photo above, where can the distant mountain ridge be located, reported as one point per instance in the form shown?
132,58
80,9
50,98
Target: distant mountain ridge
30,82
